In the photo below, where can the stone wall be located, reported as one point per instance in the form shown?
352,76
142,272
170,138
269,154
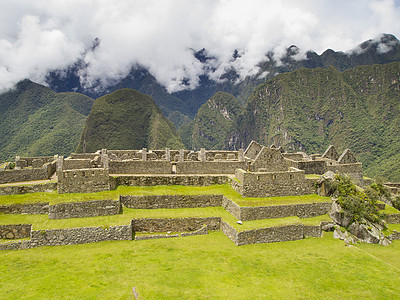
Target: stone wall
231,207
270,235
140,167
175,224
312,166
24,189
14,175
393,218
90,156
84,209
17,231
83,181
83,235
74,164
209,167
395,236
312,231
171,201
31,209
152,180
35,162
229,231
272,184
21,245
354,171
306,210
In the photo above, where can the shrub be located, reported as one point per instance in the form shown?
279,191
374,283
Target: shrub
359,204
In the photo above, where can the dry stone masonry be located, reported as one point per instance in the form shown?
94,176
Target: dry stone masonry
258,171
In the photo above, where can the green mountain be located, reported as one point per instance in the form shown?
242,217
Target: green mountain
382,50
37,121
309,109
212,123
127,119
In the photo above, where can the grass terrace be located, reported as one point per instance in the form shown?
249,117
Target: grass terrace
223,189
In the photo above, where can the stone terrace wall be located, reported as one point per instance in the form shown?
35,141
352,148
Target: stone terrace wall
312,231
16,245
177,224
171,201
17,231
32,209
9,176
305,210
83,235
151,180
209,167
393,218
229,231
231,207
270,235
24,189
84,209
140,167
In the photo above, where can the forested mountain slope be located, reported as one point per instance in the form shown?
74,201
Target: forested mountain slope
127,119
309,109
36,121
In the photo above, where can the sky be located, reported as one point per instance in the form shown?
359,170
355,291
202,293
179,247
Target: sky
161,35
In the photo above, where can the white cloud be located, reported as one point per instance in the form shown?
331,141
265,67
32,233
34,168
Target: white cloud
39,36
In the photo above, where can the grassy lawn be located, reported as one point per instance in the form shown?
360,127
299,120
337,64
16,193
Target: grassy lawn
200,267
224,189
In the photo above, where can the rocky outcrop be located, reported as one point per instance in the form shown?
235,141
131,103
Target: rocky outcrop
339,216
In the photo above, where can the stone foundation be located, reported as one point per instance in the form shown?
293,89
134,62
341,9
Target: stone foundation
31,209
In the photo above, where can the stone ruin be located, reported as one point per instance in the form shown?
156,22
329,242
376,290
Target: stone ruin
258,171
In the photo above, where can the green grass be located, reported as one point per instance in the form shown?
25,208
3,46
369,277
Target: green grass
316,220
249,225
43,222
390,210
312,176
223,189
202,267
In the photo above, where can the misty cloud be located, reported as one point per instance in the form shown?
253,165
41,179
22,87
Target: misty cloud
40,36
